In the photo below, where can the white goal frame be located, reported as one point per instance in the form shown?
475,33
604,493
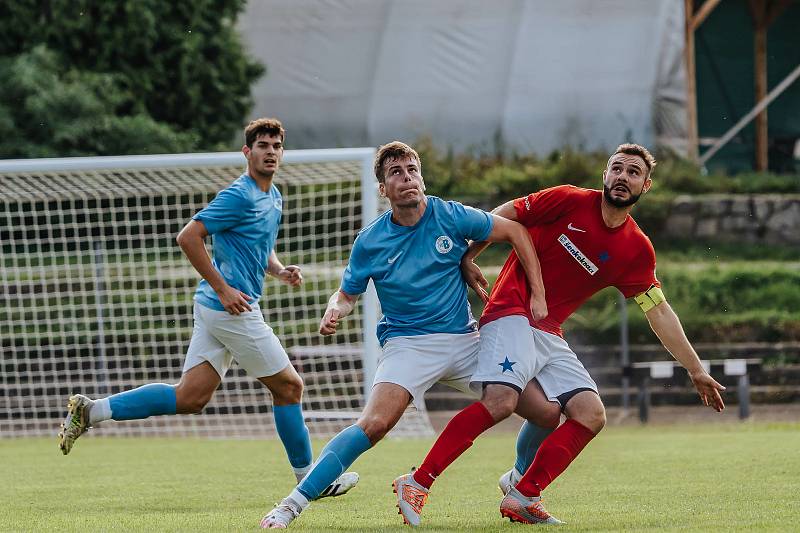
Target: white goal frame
414,423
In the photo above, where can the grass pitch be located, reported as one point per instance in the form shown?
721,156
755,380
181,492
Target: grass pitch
731,477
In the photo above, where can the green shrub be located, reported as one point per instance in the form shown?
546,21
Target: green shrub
740,303
496,177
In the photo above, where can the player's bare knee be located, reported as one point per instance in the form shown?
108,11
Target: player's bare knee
290,392
286,386
597,419
374,427
500,401
548,418
499,408
294,389
190,405
587,409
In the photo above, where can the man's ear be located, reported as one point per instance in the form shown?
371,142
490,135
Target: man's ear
647,184
382,189
246,150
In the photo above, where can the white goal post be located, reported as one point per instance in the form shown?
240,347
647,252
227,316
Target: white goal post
96,297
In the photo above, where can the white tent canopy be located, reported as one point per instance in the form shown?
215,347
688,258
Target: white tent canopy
540,74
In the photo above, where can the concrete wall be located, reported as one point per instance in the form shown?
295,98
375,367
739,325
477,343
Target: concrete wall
763,218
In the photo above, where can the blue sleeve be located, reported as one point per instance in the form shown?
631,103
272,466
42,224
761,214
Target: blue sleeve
474,224
356,274
224,212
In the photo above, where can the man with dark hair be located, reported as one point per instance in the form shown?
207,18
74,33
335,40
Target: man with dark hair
586,241
412,253
244,219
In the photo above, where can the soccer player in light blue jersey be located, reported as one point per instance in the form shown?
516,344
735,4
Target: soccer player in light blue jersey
412,253
243,220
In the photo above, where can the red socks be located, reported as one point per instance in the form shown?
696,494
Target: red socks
554,456
454,440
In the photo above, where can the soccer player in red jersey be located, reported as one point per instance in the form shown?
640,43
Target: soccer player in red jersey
586,240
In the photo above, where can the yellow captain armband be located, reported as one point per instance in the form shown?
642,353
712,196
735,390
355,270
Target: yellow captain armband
650,298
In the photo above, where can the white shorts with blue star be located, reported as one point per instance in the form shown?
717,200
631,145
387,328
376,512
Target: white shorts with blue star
514,353
417,362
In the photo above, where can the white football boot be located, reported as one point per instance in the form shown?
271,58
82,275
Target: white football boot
411,497
528,510
282,515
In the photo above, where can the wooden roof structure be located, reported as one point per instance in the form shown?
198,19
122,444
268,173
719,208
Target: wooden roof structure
763,13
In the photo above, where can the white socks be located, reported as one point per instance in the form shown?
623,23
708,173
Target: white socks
297,497
100,411
300,473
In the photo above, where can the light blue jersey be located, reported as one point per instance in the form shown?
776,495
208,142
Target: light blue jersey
416,269
243,221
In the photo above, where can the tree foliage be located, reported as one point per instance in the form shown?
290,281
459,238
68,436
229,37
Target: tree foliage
129,76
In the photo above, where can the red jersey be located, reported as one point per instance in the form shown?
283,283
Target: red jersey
578,253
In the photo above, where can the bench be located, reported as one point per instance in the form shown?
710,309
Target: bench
645,372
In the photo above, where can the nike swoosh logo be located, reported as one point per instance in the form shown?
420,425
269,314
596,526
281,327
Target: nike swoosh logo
573,228
391,260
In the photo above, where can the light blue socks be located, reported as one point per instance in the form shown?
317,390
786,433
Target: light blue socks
293,433
529,439
335,458
145,401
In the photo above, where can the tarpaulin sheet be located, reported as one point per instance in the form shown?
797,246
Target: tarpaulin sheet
536,74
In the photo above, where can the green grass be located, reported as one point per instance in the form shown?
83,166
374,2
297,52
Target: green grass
724,477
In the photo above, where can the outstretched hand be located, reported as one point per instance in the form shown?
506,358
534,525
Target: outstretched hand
474,277
709,390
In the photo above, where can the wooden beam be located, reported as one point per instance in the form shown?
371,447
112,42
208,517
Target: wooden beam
691,82
760,74
703,13
745,120
758,10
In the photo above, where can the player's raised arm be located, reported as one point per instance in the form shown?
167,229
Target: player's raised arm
667,327
340,305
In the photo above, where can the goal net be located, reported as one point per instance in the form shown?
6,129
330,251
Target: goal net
96,297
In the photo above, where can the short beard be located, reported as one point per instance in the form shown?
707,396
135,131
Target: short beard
632,199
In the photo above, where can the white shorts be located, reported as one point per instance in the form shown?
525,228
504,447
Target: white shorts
219,337
417,362
514,353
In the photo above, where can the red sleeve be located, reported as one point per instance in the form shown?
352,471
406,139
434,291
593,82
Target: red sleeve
642,274
544,206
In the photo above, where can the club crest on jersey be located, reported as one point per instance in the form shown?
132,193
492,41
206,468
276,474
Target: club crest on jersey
278,203
444,244
576,254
